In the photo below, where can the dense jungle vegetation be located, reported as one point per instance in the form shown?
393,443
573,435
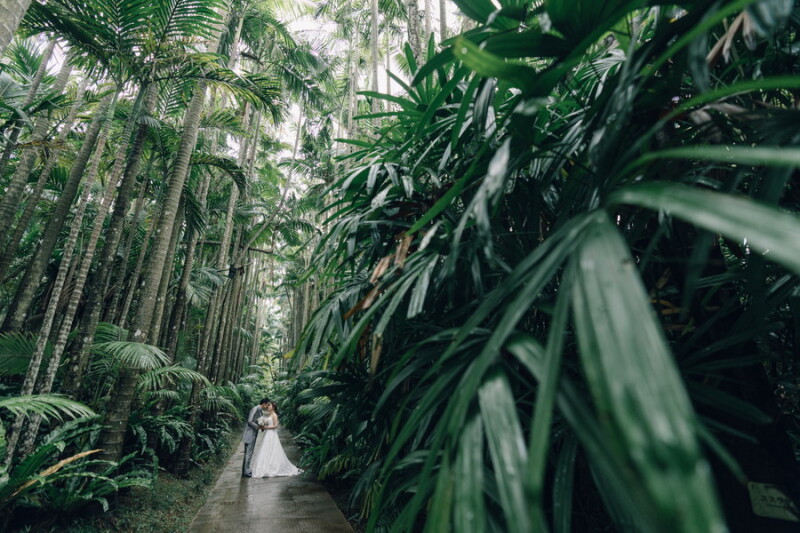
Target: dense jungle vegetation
506,265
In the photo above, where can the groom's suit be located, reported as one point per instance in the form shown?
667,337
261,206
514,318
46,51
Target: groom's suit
249,438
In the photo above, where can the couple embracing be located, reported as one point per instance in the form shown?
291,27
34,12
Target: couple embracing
271,460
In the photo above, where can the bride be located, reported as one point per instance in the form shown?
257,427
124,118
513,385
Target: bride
270,459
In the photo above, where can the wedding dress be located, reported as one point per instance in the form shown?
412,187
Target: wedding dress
270,459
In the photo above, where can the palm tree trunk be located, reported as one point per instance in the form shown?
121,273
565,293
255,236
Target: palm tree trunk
351,91
442,20
414,38
215,371
180,307
258,273
375,59
13,11
11,143
235,324
133,283
428,9
117,280
218,310
166,275
235,335
10,249
251,156
225,241
176,317
388,62
18,310
61,277
204,355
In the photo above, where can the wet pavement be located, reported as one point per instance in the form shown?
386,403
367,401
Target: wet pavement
296,504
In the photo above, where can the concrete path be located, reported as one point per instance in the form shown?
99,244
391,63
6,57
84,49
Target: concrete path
297,504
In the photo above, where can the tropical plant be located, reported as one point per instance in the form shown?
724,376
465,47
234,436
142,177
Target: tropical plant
558,272
23,481
82,484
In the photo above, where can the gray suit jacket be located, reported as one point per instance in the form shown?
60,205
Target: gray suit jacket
250,427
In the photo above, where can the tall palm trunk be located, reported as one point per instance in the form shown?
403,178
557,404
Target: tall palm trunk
10,249
250,161
414,37
442,20
122,317
375,59
207,338
18,310
227,233
217,311
116,282
259,315
16,187
218,334
388,62
248,315
351,94
179,308
428,25
166,275
60,281
234,325
13,11
11,142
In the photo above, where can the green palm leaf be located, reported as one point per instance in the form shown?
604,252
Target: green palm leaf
46,405
133,354
636,387
765,229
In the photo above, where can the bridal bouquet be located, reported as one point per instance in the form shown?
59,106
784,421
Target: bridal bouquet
262,421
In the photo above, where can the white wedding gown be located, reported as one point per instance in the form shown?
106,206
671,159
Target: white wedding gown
270,459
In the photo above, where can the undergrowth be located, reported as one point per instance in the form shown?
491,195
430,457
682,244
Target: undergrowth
168,507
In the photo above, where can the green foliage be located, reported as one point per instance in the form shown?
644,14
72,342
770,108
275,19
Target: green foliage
162,432
558,271
133,354
16,350
81,484
61,478
45,405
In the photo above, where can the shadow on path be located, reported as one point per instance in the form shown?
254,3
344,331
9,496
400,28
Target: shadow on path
297,504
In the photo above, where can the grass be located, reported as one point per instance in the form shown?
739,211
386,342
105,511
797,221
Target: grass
168,507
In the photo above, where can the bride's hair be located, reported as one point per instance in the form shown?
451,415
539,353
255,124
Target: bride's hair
275,407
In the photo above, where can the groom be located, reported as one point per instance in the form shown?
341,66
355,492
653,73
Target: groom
250,433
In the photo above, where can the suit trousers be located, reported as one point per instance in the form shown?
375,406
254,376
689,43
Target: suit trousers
248,455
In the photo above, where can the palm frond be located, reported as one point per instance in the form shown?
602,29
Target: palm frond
133,354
